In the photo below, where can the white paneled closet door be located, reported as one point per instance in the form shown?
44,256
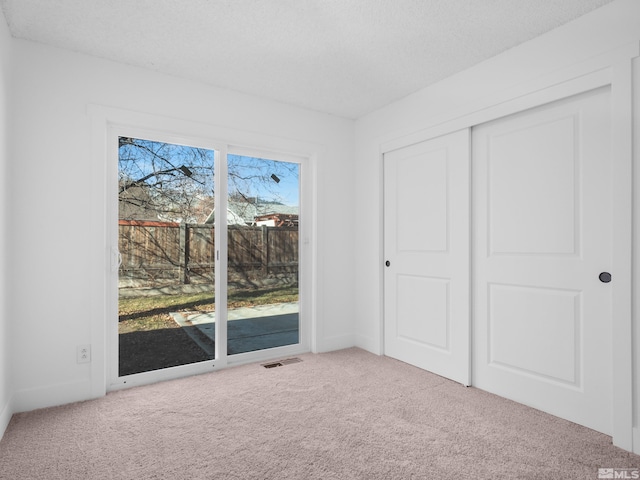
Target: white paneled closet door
426,281
542,206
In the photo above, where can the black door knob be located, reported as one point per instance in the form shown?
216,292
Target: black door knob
387,263
605,277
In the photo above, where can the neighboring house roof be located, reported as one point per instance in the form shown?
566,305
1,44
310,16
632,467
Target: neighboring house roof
138,202
272,208
245,213
135,203
232,218
277,220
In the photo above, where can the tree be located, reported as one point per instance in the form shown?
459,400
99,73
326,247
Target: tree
172,182
164,181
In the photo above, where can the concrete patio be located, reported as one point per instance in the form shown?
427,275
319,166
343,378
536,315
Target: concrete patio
248,328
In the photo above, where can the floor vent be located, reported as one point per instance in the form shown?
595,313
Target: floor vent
281,363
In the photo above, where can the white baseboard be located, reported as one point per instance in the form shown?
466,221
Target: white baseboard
6,412
51,396
339,342
369,344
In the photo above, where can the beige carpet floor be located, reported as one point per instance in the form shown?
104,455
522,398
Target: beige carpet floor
341,415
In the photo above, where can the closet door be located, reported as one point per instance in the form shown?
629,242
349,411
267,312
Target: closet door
426,281
542,256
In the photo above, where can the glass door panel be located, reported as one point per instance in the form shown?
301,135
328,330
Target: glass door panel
263,252
166,295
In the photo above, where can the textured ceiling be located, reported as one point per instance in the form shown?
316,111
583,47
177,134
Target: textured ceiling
343,57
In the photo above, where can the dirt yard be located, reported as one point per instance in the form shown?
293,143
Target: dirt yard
155,349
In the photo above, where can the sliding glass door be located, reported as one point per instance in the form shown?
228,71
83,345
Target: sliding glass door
171,239
263,217
165,240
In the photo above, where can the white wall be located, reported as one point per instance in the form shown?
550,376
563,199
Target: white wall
5,343
481,86
55,275
636,242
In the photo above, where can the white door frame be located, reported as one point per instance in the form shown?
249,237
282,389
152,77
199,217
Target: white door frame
614,69
107,122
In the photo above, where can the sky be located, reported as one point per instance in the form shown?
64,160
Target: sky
270,180
161,165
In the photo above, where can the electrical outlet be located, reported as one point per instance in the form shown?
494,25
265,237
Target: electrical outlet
83,354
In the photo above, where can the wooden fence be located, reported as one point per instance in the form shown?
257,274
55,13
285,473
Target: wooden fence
160,254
